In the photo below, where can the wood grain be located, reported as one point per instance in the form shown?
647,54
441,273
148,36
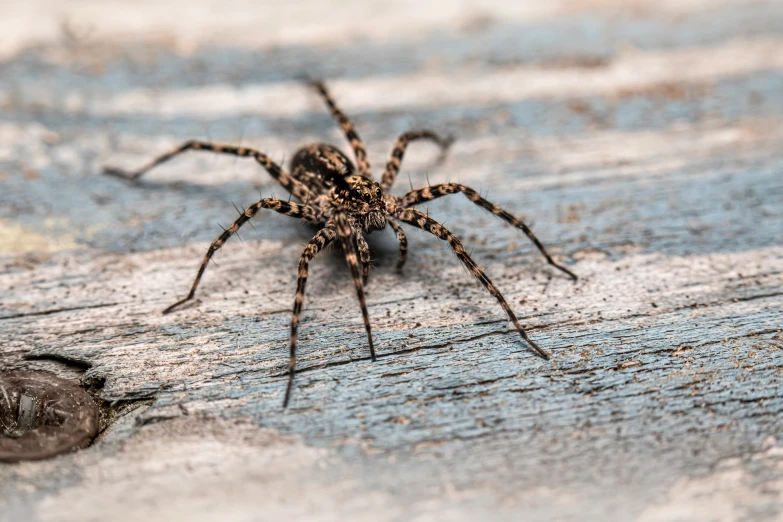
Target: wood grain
644,146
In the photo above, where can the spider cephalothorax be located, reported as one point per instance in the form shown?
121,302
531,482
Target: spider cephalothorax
347,203
321,166
363,200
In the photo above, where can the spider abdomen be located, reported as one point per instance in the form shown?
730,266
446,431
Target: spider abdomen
318,165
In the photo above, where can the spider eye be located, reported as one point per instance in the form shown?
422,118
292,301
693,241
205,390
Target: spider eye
366,196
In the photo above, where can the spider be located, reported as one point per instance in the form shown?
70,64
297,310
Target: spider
347,203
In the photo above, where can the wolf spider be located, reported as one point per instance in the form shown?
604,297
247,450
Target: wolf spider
347,203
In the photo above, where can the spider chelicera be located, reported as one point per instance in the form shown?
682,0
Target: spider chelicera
347,203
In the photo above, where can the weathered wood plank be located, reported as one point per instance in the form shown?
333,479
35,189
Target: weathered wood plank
654,174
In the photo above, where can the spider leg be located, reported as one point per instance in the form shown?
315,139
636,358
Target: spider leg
414,197
362,162
364,257
402,239
283,207
393,165
345,232
416,218
320,240
292,185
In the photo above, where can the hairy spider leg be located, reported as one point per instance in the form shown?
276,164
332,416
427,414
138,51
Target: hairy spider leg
295,187
422,221
324,237
278,205
345,232
393,165
415,197
362,161
402,239
364,256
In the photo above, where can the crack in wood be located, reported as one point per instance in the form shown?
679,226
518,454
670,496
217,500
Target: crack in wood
57,311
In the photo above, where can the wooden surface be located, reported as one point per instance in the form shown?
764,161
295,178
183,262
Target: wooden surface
643,143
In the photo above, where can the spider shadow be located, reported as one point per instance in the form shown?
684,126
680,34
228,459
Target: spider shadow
384,248
189,188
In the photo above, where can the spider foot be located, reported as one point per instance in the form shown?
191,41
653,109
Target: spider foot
308,79
288,388
177,305
566,271
537,349
120,173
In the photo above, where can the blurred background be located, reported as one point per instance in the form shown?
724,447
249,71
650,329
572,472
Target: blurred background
538,94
